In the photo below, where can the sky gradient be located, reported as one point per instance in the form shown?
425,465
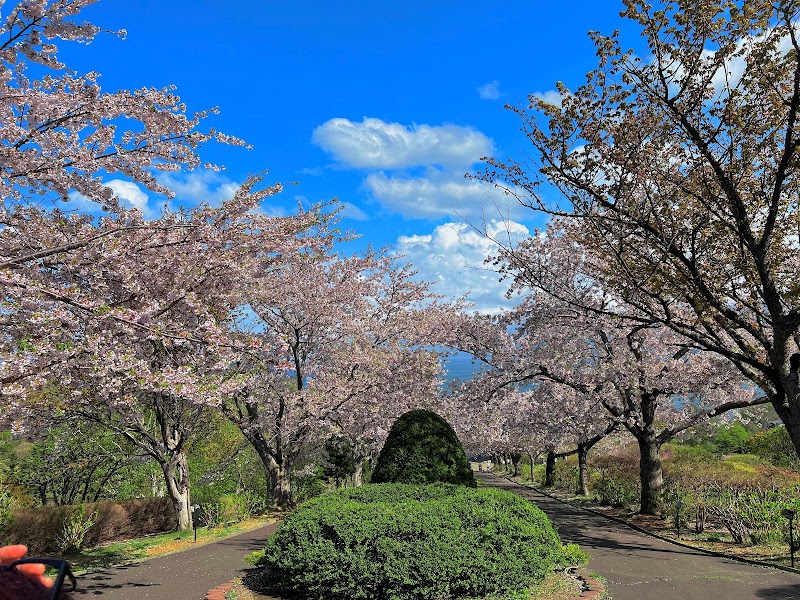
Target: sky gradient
385,106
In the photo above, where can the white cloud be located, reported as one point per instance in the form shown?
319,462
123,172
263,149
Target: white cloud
131,195
351,211
376,144
550,97
490,91
439,195
453,255
199,186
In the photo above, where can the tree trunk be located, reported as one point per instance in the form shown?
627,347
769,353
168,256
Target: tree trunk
176,476
281,491
788,407
550,470
650,474
515,460
358,475
583,471
530,458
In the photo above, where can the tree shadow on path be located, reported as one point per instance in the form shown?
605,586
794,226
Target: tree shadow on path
782,592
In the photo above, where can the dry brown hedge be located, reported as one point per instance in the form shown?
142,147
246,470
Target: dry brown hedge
39,528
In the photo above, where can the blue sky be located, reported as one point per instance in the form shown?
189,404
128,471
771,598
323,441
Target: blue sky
383,105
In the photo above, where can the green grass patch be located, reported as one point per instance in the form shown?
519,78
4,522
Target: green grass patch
127,551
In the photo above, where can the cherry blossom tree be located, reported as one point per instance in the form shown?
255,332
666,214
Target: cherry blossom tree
343,346
571,330
530,414
678,166
118,311
133,332
61,133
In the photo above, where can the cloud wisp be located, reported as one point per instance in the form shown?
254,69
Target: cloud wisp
490,91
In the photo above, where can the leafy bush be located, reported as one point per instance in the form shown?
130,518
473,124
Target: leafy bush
731,438
230,508
422,448
340,459
738,493
74,530
616,480
404,542
565,474
775,445
572,556
308,482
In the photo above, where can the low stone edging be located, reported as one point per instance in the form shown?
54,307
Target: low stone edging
594,589
218,593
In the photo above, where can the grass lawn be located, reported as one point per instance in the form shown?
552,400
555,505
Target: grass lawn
119,553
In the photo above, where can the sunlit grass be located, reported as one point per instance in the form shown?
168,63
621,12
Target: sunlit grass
119,553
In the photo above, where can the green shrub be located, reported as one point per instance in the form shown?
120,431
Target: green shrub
73,532
308,483
775,445
572,556
229,508
565,474
422,448
403,542
731,438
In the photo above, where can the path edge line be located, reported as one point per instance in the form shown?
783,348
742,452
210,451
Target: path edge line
748,561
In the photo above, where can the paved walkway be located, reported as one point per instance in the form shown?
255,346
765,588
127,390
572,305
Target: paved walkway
640,567
185,575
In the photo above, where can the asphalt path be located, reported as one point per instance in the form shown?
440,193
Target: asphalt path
185,575
641,567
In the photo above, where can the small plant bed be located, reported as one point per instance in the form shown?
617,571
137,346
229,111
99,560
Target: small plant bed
404,542
124,552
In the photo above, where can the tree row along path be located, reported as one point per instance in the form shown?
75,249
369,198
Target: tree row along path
185,575
641,567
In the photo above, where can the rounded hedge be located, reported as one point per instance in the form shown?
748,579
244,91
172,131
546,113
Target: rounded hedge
422,448
404,542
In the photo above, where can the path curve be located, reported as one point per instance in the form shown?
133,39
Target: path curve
641,567
184,575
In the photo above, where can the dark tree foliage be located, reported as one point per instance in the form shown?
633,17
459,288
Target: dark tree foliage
422,448
340,461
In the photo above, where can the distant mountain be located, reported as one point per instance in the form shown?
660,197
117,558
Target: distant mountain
459,366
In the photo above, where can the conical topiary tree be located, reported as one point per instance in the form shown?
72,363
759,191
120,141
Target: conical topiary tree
422,448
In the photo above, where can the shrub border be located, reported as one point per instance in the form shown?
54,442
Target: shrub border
748,561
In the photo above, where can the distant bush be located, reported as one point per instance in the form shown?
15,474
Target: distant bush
422,448
41,528
615,480
308,483
731,438
775,445
229,508
404,542
565,474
